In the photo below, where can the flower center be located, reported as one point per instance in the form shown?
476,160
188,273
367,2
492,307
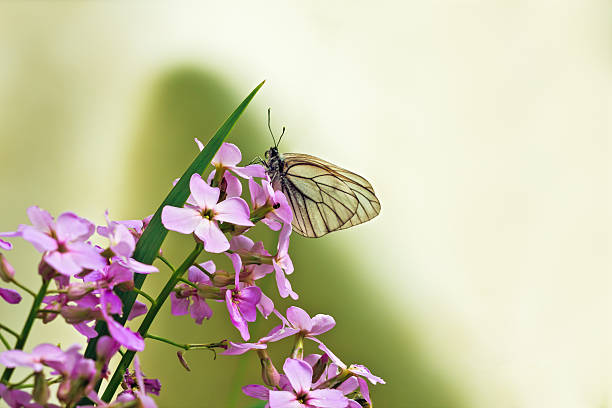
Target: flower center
208,214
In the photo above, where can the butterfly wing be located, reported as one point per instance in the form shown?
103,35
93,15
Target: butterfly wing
324,197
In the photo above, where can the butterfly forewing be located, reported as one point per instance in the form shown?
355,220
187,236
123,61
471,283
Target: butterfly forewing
325,197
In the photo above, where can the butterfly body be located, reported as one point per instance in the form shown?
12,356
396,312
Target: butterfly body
323,197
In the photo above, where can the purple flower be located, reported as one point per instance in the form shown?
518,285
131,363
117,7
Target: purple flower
309,327
139,390
186,298
202,218
10,296
122,245
299,374
62,241
228,156
242,301
273,204
283,265
41,355
122,334
19,398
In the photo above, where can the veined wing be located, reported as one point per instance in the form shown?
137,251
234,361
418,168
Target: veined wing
325,197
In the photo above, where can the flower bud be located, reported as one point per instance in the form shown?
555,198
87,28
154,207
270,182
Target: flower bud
6,269
222,278
319,367
269,374
45,270
76,290
182,360
41,388
74,314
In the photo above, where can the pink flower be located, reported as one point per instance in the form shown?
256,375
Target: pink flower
241,301
62,241
309,327
272,203
283,265
299,374
43,354
10,296
140,391
121,334
202,218
186,297
228,156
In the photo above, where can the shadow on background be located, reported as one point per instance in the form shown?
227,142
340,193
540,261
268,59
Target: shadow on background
188,102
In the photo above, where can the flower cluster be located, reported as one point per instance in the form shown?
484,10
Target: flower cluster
90,281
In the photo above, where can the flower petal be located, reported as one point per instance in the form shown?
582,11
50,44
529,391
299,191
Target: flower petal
178,306
284,286
299,318
235,316
5,245
214,240
250,171
183,220
204,195
256,391
10,296
299,374
71,227
40,219
227,156
321,323
236,349
284,399
200,310
138,309
41,241
326,399
234,210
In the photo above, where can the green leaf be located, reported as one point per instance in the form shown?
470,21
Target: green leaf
151,240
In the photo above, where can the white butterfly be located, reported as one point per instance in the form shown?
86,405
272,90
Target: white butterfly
324,197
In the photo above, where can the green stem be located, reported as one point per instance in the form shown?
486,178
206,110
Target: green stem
200,267
193,285
148,320
27,327
6,343
185,346
31,292
168,264
16,385
8,329
145,295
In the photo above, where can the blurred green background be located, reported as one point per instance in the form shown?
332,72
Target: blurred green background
481,125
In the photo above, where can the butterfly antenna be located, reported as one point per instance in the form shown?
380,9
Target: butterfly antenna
270,129
281,137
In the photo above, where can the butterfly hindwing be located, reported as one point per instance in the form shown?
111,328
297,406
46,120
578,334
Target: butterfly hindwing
325,197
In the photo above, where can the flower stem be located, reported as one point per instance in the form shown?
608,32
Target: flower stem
200,267
8,329
6,343
25,332
186,347
31,292
168,264
193,285
148,320
145,295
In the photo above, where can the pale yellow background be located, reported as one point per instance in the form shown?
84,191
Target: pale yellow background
483,126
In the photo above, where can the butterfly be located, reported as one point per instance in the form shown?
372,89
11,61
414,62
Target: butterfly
324,197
